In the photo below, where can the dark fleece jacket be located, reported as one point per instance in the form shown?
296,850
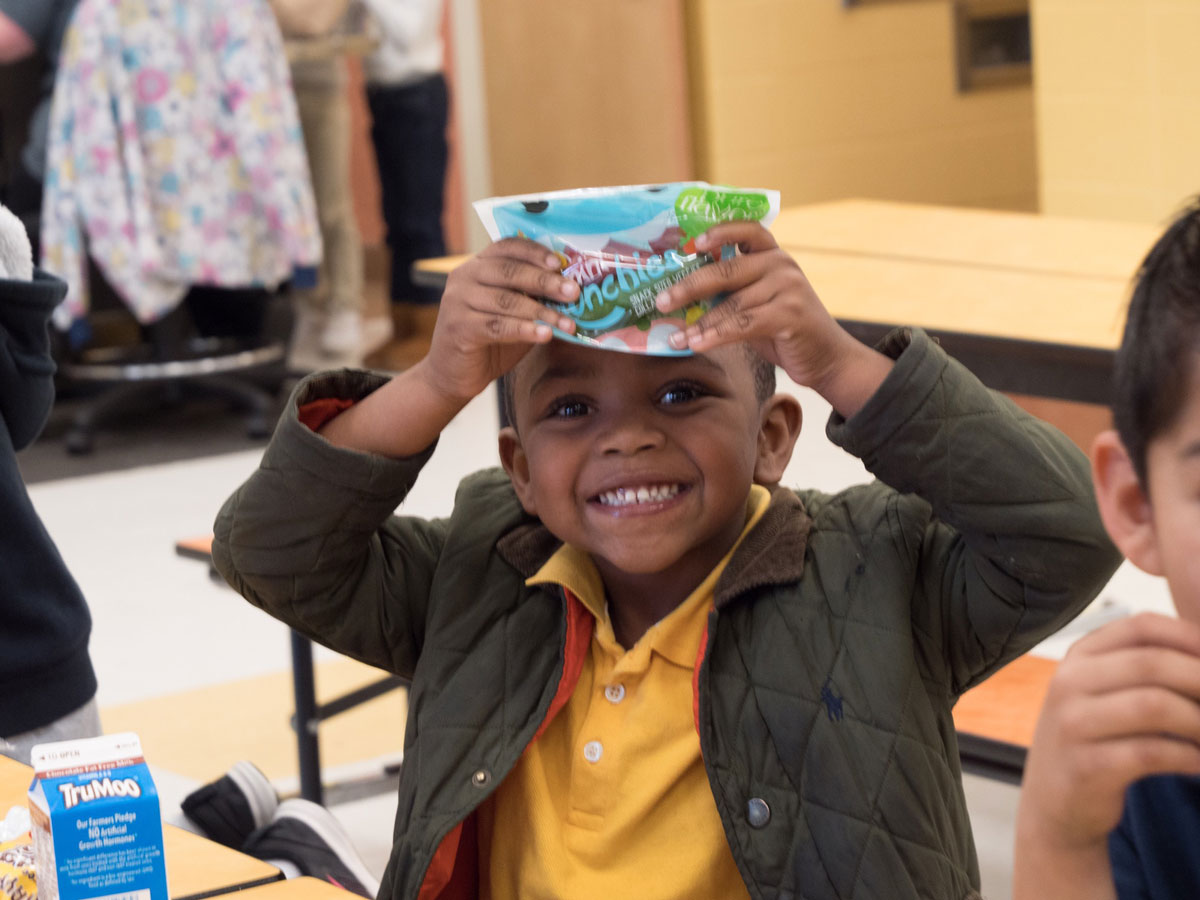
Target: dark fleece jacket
45,670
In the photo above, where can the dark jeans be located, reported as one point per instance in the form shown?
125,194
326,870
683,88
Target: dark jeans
408,128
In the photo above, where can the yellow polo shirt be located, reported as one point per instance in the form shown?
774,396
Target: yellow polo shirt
612,800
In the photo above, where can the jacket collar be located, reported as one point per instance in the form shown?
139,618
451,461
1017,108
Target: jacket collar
771,554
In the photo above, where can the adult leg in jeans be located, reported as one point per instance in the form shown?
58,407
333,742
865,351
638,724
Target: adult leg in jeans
408,130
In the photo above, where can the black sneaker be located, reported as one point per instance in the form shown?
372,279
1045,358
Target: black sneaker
230,808
308,836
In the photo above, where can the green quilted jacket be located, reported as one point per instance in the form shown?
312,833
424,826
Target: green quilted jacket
844,629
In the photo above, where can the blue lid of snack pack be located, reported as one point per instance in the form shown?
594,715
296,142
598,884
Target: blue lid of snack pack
623,246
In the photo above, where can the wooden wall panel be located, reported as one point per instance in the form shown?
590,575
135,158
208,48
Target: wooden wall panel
583,94
824,102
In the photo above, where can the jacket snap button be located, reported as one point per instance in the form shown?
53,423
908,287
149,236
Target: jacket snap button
481,778
757,812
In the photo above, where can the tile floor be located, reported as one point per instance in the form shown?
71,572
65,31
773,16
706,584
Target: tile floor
163,628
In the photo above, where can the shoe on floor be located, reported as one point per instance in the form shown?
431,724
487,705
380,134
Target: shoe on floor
411,340
308,836
376,331
304,349
343,334
229,809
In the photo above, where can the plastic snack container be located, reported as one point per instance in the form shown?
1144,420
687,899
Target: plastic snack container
623,245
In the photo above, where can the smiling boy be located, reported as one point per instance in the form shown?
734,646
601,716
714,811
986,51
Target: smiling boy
654,505
639,667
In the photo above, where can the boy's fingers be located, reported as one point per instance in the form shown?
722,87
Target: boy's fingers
523,249
1142,630
514,274
519,307
1129,667
501,329
722,276
1129,713
1137,757
735,318
748,237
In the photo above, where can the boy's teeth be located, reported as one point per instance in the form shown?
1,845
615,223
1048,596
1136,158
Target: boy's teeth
628,496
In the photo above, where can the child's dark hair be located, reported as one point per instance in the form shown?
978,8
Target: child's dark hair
764,384
1161,343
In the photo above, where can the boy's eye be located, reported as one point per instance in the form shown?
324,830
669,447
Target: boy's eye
683,392
568,408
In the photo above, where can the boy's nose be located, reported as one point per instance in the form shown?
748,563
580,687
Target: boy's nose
630,434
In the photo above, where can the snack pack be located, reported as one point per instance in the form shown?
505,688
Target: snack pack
18,873
623,245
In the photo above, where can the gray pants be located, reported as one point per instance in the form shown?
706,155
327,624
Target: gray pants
82,723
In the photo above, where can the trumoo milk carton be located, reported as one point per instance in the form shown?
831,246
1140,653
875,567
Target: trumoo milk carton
97,829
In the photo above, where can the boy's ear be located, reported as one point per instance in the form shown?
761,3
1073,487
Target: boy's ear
1124,504
516,464
777,433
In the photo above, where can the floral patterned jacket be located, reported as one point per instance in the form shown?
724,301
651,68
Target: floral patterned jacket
175,155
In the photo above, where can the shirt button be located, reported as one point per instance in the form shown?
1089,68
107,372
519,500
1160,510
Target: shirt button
592,751
615,693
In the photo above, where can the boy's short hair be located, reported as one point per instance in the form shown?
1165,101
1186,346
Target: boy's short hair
764,383
1161,342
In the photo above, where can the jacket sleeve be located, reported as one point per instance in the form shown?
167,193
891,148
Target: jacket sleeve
310,538
26,365
1004,527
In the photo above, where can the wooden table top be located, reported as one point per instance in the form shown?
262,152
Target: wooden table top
196,866
304,888
1005,708
435,270
994,303
1029,242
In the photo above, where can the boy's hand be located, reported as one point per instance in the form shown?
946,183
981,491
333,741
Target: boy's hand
1124,704
488,318
487,321
771,306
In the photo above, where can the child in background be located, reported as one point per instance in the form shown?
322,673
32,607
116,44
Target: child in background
637,660
1125,702
47,684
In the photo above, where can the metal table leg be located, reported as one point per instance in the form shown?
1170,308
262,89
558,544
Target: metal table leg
306,721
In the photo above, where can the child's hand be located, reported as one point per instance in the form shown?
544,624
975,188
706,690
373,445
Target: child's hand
488,318
1124,704
487,321
771,306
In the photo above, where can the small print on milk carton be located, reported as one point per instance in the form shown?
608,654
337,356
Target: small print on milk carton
97,829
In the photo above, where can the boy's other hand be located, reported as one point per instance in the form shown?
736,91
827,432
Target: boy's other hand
770,304
488,318
1124,704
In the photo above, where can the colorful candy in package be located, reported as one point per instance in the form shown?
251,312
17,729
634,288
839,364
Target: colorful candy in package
18,869
624,245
